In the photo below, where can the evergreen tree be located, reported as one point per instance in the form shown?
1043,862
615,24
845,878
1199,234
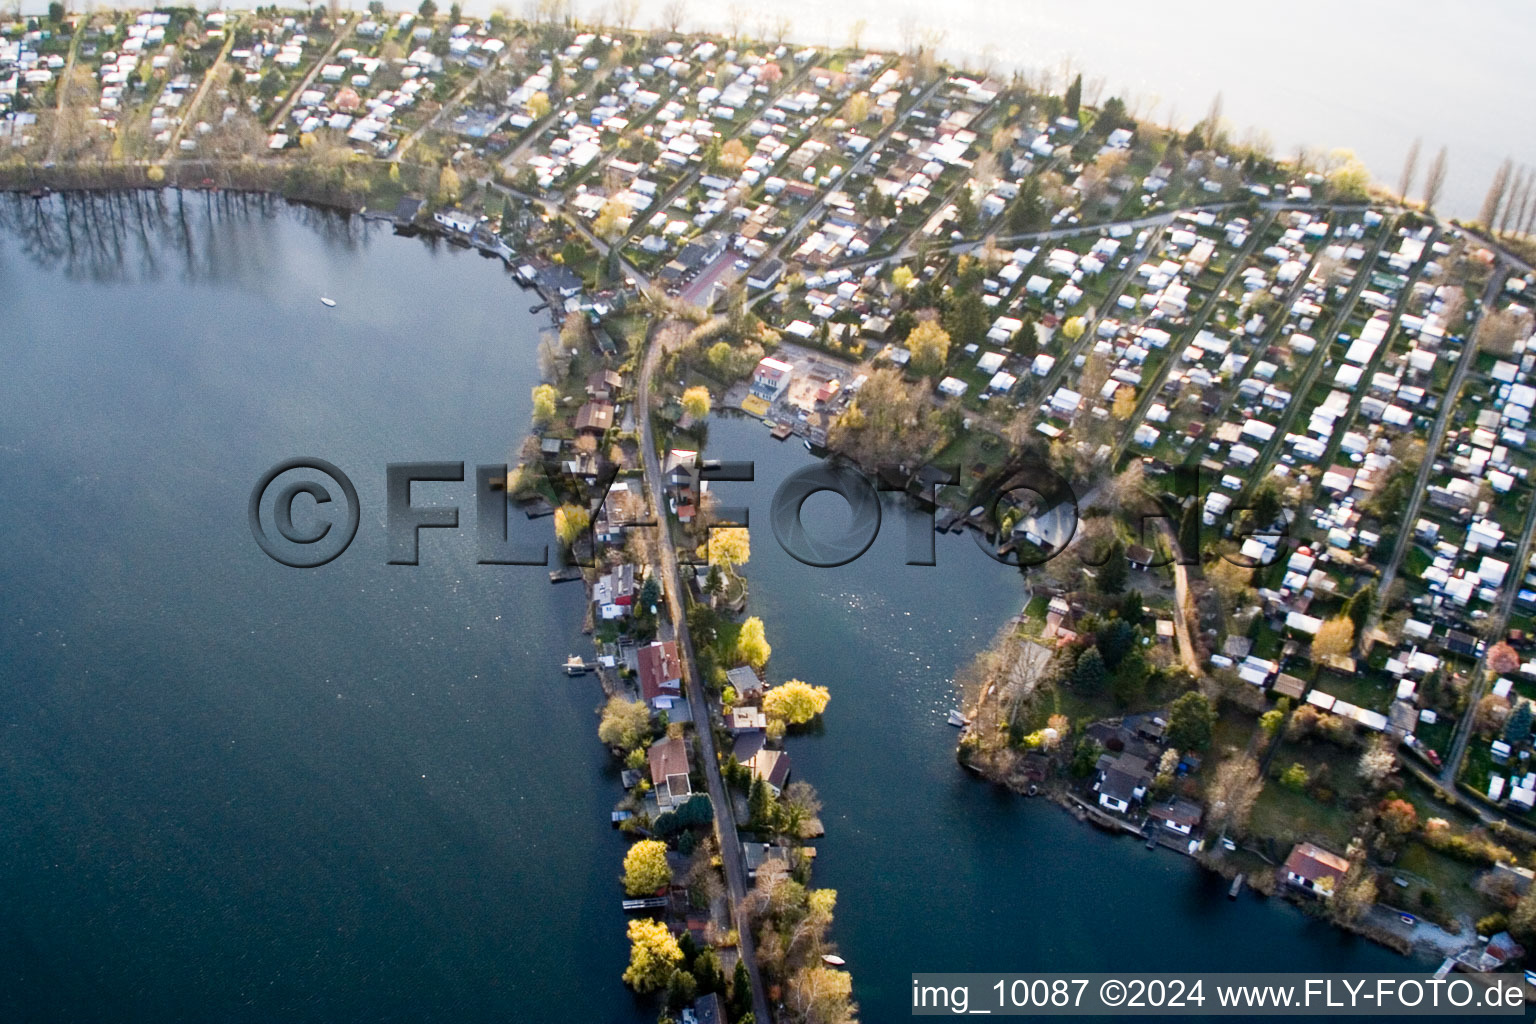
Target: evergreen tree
1074,98
1114,572
759,804
1189,533
1131,608
1358,608
1518,730
741,991
1191,720
1090,673
1115,641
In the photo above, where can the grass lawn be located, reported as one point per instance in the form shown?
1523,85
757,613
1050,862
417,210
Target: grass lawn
1449,879
1290,817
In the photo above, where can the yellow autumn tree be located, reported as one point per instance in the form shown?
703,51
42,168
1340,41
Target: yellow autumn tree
696,402
901,278
1335,639
795,702
734,155
606,224
752,643
538,105
571,521
654,955
645,868
1125,403
448,185
1074,328
543,404
929,345
729,547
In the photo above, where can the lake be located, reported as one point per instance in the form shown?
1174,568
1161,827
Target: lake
233,790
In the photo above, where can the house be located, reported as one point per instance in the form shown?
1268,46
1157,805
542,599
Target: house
604,385
748,719
407,210
1122,781
669,772
461,221
1314,869
594,418
707,1009
766,274
661,673
745,682
771,379
1181,816
1140,557
772,766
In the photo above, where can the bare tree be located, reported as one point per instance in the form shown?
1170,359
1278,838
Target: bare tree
1516,197
1410,168
1494,198
672,14
1434,180
1213,122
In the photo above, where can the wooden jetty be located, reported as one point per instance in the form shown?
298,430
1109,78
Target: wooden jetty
781,431
574,666
650,903
570,574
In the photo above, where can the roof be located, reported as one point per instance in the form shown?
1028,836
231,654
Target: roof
1179,812
772,766
667,758
707,1009
594,416
743,679
1315,863
659,669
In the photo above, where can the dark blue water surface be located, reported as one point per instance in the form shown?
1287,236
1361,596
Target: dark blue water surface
231,790
235,791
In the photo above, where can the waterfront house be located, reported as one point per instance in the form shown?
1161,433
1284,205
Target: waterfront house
1314,869
748,719
461,221
668,761
772,766
771,379
745,682
661,673
1177,815
1122,781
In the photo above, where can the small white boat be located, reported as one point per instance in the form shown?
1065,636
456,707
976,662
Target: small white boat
327,301
958,720
833,959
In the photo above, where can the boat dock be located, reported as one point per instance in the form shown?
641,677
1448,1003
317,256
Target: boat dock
575,666
781,431
570,574
650,903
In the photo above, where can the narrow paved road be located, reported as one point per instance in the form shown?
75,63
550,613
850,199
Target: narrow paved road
698,699
1431,448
